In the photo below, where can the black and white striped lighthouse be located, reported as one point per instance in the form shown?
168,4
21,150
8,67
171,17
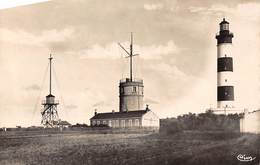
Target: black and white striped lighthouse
225,83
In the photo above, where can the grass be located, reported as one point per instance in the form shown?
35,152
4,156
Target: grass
190,147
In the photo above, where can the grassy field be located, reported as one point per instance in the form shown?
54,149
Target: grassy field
191,147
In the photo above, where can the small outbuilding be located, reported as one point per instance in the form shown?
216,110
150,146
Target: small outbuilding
250,123
64,124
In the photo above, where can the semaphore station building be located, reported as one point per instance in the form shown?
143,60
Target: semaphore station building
131,112
127,119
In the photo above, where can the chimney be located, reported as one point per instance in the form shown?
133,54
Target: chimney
95,112
113,111
147,107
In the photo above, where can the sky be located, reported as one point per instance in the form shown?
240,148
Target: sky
175,41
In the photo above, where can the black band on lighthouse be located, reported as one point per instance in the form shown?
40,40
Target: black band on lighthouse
225,93
225,64
224,38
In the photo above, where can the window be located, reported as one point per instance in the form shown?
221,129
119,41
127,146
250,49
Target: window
123,123
98,122
134,89
93,122
110,123
137,122
224,26
122,90
104,122
117,123
113,123
129,123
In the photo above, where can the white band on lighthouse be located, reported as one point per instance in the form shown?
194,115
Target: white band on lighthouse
225,50
225,79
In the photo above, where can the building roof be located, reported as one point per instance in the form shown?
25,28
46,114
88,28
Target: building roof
50,95
127,80
254,111
112,115
224,22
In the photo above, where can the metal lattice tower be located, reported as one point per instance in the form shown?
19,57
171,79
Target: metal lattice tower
49,112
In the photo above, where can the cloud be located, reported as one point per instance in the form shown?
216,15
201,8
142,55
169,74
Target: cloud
248,11
97,51
71,106
101,103
113,51
33,87
157,6
215,9
156,51
196,9
45,38
167,69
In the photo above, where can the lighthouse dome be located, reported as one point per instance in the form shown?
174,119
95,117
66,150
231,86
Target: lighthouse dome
223,22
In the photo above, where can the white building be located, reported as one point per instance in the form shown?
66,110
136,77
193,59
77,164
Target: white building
129,119
251,122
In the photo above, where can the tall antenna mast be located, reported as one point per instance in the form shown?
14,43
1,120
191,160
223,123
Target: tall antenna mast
50,117
130,55
50,71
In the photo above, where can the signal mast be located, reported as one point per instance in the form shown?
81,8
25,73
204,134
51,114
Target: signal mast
50,117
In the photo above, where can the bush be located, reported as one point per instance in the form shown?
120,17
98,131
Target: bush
170,126
204,121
